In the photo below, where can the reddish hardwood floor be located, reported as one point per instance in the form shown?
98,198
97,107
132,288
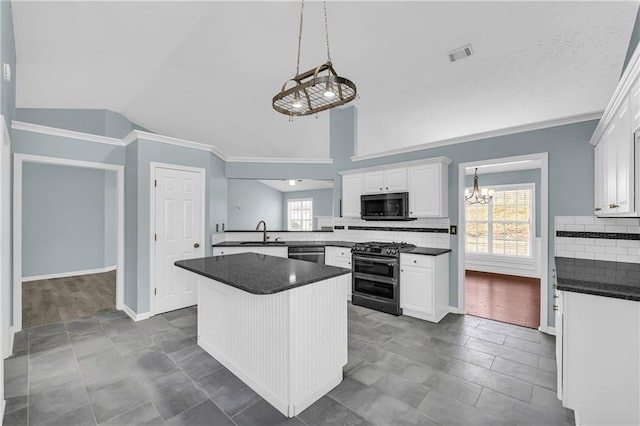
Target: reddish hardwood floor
506,298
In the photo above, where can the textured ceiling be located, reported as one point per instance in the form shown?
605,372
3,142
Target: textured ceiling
206,71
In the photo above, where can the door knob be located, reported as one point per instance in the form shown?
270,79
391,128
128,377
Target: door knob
196,245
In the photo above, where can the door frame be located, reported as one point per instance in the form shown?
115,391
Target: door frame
18,161
543,160
153,166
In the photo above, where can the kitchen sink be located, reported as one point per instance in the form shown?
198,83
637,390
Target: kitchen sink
265,243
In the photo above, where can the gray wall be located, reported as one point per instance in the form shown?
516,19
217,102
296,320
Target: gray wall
570,170
514,177
110,218
7,55
93,121
322,203
249,202
63,219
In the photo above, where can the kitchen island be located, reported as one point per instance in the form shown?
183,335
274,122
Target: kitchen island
278,324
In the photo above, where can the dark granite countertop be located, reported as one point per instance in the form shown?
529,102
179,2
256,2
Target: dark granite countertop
598,277
259,273
426,251
286,244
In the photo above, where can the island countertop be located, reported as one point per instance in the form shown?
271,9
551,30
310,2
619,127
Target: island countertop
259,273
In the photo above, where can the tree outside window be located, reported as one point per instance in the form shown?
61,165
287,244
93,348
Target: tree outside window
505,225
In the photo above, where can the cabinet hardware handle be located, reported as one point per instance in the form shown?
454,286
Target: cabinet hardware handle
613,206
415,261
597,209
196,245
401,270
555,307
387,187
380,189
555,286
555,296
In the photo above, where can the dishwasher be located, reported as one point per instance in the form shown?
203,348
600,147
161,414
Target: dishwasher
308,253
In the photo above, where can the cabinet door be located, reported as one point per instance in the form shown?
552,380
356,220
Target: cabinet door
351,191
374,182
395,180
426,192
599,180
610,171
624,160
416,289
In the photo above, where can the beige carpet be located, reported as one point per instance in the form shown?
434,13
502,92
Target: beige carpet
64,299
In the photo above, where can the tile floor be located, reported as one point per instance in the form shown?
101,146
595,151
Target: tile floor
107,369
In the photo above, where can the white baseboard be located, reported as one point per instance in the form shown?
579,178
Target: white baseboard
136,317
12,335
4,406
455,310
69,274
548,330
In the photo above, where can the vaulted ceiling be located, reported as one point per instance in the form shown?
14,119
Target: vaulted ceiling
206,71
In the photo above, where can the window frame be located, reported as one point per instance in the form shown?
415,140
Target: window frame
532,223
292,200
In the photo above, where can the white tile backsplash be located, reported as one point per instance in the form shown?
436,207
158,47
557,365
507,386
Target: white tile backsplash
422,239
621,250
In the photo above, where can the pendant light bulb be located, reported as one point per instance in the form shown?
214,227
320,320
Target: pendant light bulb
328,91
297,104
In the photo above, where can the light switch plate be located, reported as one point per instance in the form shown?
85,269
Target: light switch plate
6,71
453,229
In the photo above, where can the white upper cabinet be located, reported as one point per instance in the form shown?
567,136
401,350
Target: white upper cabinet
352,186
426,181
614,173
381,181
617,156
428,190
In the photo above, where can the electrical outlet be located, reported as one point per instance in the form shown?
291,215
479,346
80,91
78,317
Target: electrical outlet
217,227
453,230
6,71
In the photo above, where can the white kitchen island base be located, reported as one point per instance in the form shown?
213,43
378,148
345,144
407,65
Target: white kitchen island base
289,347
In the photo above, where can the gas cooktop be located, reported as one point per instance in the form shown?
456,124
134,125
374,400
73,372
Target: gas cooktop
381,248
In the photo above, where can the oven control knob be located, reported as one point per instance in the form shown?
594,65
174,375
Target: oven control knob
394,251
368,248
388,251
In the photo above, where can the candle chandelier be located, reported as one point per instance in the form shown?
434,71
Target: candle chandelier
314,91
478,196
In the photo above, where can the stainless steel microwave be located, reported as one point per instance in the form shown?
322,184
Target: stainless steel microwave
393,206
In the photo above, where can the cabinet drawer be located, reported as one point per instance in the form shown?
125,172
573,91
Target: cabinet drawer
416,260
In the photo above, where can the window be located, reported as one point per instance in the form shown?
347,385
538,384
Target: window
505,225
300,214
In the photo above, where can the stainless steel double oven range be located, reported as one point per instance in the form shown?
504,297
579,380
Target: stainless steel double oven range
376,275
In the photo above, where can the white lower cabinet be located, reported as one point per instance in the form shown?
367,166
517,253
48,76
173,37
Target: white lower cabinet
271,251
424,286
340,257
599,362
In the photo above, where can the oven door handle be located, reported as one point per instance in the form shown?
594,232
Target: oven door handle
384,260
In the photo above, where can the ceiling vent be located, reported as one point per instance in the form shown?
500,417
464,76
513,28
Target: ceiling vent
461,53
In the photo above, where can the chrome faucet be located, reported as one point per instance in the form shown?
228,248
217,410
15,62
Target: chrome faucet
264,234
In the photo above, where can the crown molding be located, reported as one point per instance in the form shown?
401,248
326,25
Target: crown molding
279,160
444,160
55,131
484,135
139,134
624,87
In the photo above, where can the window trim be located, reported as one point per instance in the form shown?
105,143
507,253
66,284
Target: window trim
289,201
532,229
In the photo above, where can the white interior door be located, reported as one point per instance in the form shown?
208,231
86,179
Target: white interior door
179,232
